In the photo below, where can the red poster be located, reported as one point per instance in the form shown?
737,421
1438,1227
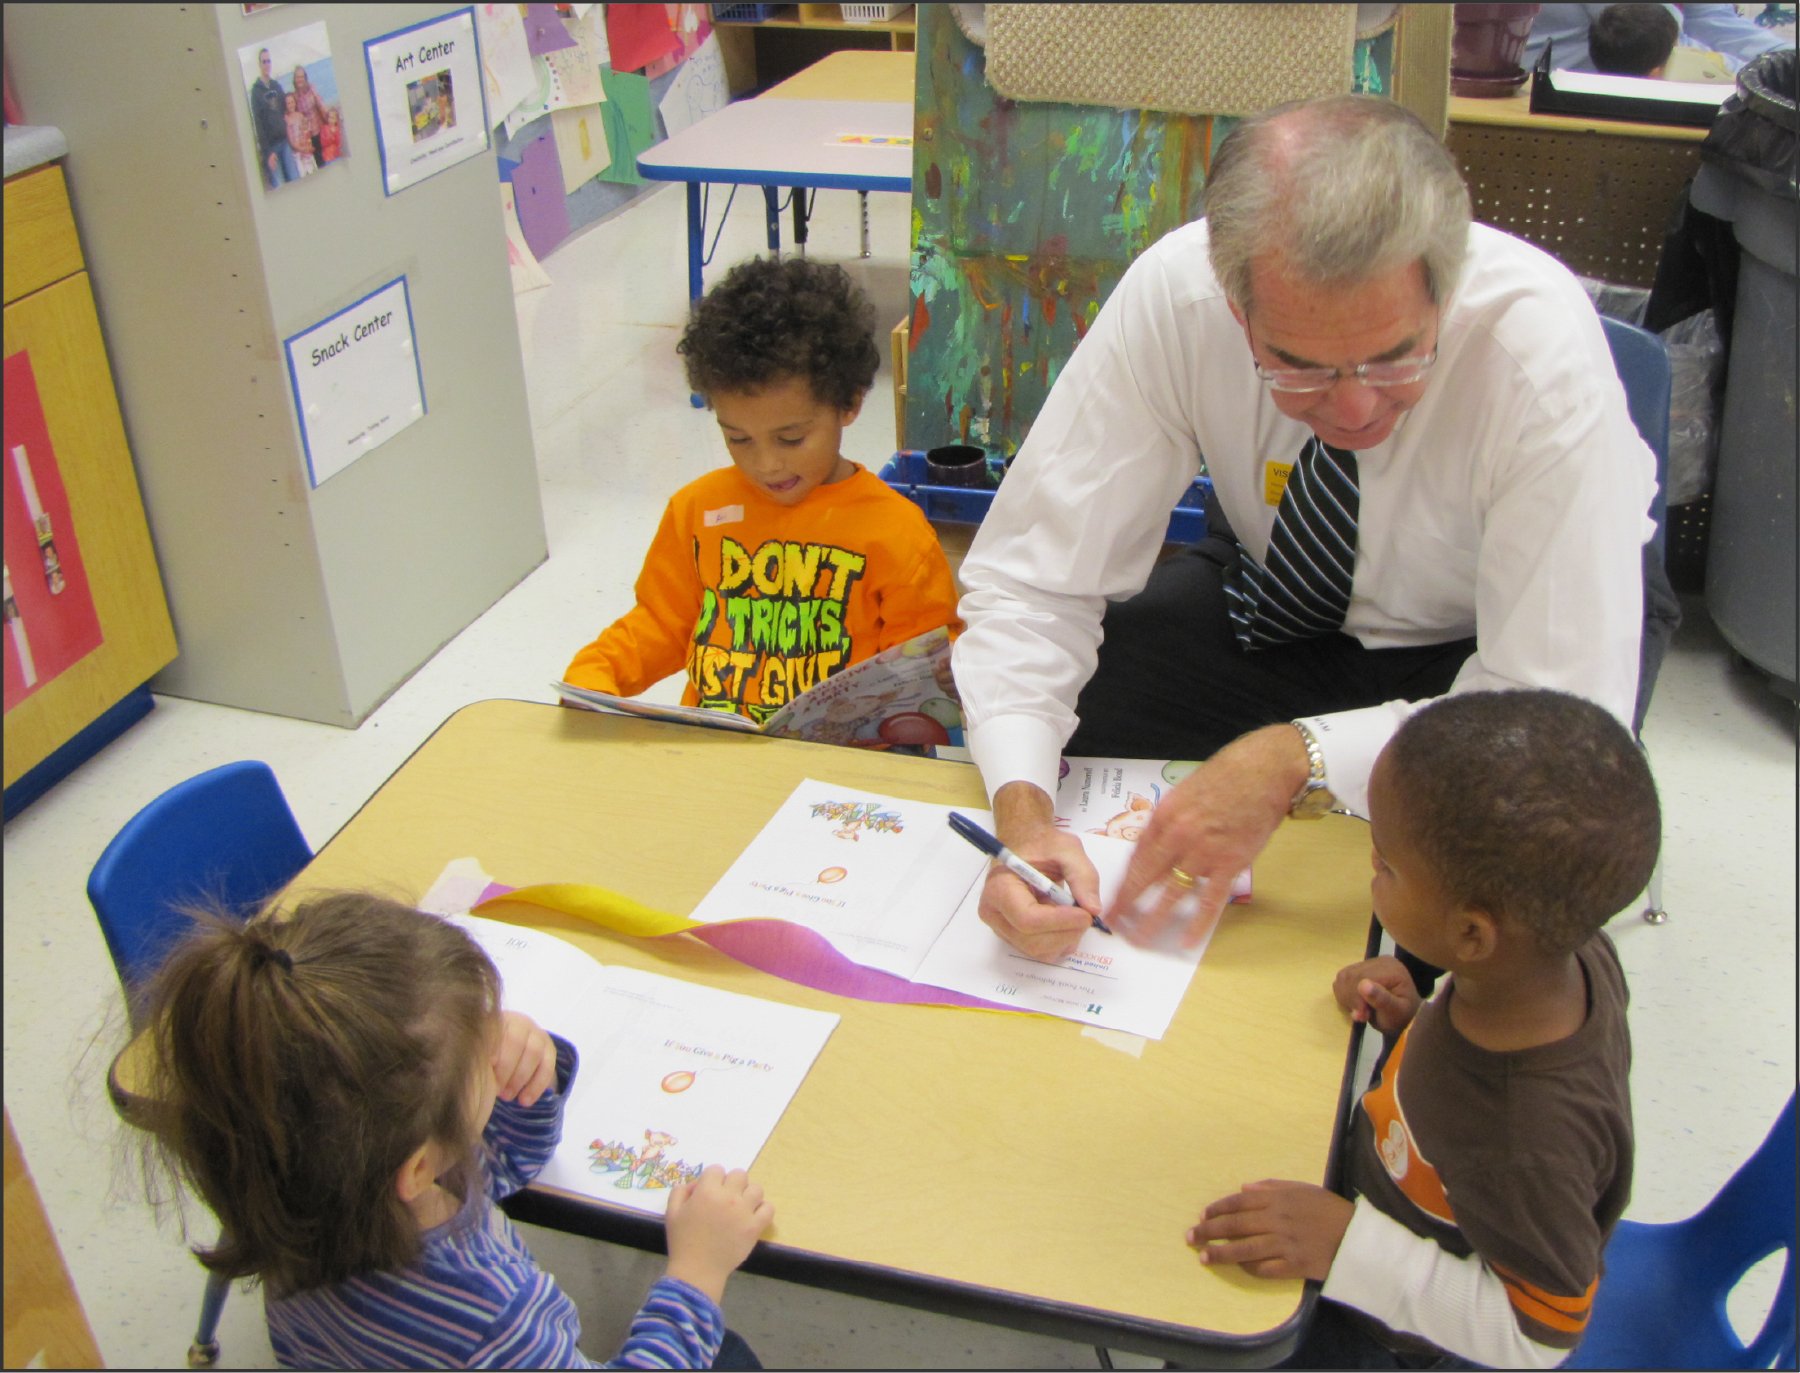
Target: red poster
636,35
50,618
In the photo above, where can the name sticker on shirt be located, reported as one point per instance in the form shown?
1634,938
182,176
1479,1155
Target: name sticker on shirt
725,514
1275,480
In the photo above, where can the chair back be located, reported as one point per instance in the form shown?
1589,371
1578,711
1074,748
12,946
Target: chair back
1662,1301
225,837
1642,362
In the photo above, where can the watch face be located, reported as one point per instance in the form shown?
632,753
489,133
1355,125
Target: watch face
1313,803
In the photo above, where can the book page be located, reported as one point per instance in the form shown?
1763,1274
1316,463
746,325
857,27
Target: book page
902,698
545,977
608,704
876,875
1105,982
672,1076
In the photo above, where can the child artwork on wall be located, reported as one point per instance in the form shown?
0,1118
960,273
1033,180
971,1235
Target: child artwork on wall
51,622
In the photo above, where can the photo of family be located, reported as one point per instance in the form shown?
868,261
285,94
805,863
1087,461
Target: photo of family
294,110
433,105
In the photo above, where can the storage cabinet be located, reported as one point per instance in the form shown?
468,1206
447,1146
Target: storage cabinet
790,38
50,317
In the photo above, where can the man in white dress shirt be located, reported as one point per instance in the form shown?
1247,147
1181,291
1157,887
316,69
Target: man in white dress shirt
1337,302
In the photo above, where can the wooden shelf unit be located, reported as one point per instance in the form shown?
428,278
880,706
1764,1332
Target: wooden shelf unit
758,53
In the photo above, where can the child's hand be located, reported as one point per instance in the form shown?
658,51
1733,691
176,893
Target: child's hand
524,1060
1274,1229
714,1223
1380,991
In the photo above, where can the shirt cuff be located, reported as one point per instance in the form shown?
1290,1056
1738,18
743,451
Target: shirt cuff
1372,1257
1016,748
1350,740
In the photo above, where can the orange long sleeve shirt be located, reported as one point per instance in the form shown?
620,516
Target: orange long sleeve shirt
759,601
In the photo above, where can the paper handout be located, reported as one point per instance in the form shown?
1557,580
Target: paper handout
877,876
902,699
673,1076
1106,981
891,886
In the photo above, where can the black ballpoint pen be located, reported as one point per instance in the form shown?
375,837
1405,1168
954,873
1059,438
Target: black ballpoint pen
1057,893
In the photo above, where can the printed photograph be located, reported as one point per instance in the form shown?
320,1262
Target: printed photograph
294,110
432,103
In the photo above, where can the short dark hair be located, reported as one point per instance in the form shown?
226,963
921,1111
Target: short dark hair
297,1062
1632,40
1535,806
769,321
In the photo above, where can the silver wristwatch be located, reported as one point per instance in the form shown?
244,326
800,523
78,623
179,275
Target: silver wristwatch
1314,798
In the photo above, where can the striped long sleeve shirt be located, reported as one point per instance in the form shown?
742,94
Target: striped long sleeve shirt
475,1297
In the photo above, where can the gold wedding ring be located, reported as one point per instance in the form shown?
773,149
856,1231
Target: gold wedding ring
1180,878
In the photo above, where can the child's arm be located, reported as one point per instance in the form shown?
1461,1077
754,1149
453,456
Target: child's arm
714,1223
533,1072
650,641
1380,991
1371,1262
1464,1305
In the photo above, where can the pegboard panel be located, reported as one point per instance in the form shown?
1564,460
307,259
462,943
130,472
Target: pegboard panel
1600,203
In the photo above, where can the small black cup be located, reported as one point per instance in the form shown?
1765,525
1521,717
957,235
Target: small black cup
957,464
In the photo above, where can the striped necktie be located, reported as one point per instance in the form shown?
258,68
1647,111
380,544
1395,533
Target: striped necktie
1303,589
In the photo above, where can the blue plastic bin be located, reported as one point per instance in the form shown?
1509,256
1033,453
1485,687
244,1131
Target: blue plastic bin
965,505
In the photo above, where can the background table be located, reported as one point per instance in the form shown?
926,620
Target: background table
791,137
1006,1167
1595,193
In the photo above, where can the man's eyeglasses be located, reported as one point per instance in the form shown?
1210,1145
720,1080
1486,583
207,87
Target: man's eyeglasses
1310,380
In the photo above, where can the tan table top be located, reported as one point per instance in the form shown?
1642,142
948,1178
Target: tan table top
1514,111
1006,1167
851,75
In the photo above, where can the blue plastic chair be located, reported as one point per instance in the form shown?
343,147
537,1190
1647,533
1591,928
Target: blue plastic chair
226,838
1661,1303
1642,363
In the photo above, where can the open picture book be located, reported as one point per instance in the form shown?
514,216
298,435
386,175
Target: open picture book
672,1075
901,699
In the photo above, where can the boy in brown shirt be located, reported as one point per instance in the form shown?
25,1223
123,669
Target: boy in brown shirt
1491,1159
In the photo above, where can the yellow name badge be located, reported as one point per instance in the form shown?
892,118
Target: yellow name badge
1275,480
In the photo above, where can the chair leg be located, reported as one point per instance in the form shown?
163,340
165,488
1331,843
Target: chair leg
1654,914
204,1352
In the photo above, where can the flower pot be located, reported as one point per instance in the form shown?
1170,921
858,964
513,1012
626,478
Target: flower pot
1485,48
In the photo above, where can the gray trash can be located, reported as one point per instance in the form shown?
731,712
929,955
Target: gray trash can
1747,177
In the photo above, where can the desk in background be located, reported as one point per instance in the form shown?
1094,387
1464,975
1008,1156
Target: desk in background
1007,1168
1597,194
791,137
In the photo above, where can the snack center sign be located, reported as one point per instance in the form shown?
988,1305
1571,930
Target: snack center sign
356,380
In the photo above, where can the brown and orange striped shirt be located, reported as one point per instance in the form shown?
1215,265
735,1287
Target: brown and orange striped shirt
1522,1158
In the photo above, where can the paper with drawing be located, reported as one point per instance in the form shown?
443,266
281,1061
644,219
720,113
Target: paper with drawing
875,875
673,1076
891,886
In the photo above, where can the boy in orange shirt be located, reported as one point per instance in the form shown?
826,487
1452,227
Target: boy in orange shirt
768,576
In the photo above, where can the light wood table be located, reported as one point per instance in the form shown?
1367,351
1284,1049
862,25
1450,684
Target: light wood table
854,74
1010,1168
